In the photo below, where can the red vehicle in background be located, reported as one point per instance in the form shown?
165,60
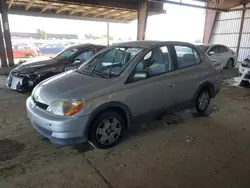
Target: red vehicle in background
24,51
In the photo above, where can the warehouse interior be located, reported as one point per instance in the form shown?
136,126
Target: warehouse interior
176,150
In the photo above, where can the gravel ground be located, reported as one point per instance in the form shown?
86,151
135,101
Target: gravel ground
180,150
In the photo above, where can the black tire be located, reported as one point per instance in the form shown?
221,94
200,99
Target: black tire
244,83
230,64
94,137
202,108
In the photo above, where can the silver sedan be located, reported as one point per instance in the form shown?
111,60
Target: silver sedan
226,56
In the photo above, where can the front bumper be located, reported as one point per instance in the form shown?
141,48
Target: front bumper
21,83
59,130
245,73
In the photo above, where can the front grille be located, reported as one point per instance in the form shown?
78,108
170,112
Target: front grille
247,76
41,105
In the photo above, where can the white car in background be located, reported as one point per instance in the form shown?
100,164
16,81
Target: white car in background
244,70
221,53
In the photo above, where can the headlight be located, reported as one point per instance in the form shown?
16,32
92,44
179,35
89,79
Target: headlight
65,108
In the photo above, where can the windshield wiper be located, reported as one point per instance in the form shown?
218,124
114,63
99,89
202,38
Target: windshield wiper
100,74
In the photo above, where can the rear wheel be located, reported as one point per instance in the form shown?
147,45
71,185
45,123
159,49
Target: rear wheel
106,130
203,101
230,64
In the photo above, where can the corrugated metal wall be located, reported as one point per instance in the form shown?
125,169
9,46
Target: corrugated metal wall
226,31
245,38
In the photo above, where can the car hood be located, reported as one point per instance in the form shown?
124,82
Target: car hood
31,66
69,85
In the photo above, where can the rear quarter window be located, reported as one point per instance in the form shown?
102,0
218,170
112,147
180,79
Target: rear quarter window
186,56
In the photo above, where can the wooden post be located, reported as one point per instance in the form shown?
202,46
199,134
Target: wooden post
108,33
142,19
241,29
6,32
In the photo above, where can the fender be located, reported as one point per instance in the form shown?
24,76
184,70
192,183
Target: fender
113,104
203,85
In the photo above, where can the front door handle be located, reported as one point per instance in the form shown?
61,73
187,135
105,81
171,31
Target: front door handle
171,85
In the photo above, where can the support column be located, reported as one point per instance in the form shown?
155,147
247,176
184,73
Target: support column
108,33
2,47
6,32
209,24
142,19
241,29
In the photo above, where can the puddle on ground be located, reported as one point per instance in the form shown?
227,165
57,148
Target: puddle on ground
10,149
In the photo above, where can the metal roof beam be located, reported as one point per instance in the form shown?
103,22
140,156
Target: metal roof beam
62,8
119,12
46,7
10,3
79,9
187,5
62,16
29,4
104,13
90,11
126,16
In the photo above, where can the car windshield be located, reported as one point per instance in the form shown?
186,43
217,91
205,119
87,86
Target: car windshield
203,48
65,54
110,63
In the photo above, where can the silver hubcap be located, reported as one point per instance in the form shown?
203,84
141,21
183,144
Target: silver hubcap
108,131
203,101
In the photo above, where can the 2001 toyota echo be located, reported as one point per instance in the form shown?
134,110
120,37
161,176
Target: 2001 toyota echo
100,99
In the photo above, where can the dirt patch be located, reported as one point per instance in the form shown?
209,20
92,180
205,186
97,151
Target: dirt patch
10,149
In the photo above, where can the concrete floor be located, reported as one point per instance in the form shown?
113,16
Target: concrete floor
181,150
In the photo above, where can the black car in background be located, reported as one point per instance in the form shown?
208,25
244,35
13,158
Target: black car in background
27,75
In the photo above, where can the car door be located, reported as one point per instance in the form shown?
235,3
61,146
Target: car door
156,91
21,51
188,73
48,49
215,54
80,58
225,54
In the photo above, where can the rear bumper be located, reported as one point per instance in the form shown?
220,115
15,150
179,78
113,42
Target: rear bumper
58,129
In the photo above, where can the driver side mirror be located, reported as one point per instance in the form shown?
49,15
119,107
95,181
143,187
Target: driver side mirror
77,61
140,76
211,53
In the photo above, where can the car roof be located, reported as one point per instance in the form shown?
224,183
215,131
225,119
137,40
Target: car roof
147,43
210,45
87,45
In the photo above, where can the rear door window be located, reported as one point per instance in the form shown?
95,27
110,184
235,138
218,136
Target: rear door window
214,49
223,49
186,56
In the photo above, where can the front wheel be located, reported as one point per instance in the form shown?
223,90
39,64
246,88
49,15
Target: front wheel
230,64
203,102
106,130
